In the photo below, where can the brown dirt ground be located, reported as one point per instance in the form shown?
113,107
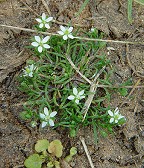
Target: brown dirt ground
124,149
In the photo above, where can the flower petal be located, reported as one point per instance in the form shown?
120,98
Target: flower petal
120,116
53,114
110,113
65,37
81,93
40,49
70,29
49,19
46,46
116,111
70,36
75,92
51,123
111,120
38,20
47,26
41,25
62,28
44,40
31,67
44,124
61,33
42,116
46,111
38,39
71,97
31,74
77,101
43,16
116,121
81,97
35,44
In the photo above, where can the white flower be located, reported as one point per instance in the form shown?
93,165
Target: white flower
47,117
92,29
77,95
66,32
115,116
28,71
41,43
44,21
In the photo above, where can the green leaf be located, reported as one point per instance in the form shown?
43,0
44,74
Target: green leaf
130,11
140,1
41,145
72,132
122,121
82,7
123,91
33,161
73,151
55,147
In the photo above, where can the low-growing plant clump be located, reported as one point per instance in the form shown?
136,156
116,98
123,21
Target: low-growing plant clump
49,154
65,84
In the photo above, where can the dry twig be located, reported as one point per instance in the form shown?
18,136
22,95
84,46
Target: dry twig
86,151
81,38
134,87
91,96
29,8
77,69
46,6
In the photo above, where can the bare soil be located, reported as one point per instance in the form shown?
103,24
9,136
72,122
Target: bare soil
123,149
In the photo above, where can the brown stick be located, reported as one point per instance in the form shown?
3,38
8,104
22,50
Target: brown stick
81,38
46,6
29,8
77,70
134,87
86,151
91,96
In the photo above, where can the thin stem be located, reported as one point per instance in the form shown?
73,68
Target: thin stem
93,89
81,38
86,151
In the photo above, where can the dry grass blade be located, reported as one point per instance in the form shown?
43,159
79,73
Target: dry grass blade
81,38
77,70
29,8
134,87
86,151
91,96
46,6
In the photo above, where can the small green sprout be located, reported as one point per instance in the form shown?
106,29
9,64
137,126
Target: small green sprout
48,153
73,151
33,161
41,145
